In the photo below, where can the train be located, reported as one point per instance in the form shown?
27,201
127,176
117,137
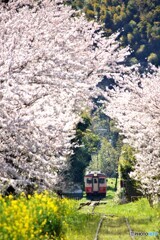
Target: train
95,184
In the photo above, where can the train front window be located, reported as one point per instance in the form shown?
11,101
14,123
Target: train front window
89,180
95,180
101,180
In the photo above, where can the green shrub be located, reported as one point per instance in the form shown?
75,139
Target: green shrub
153,58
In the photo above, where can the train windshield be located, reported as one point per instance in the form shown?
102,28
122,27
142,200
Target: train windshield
95,180
101,180
89,180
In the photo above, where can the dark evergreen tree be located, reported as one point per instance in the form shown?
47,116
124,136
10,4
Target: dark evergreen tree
138,21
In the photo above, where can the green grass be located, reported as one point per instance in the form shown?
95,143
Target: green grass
113,228
84,228
110,189
141,218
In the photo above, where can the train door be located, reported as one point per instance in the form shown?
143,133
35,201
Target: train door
95,184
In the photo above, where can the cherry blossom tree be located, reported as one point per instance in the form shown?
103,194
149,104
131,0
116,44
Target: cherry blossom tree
51,60
135,103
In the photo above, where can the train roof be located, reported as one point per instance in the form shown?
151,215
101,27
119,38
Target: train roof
95,174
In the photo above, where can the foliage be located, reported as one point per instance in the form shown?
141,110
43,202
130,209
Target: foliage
153,58
86,143
106,159
40,216
139,21
111,189
106,156
126,165
127,158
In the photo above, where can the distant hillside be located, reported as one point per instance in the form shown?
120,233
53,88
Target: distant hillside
139,19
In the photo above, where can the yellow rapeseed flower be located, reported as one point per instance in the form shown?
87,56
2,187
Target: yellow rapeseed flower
26,217
44,222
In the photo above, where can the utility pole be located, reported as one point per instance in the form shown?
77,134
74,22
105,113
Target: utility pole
97,161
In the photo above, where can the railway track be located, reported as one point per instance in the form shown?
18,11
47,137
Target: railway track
91,203
108,223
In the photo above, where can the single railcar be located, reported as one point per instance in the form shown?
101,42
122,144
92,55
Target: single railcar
95,184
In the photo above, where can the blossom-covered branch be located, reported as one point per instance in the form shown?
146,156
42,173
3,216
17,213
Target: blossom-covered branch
135,103
50,63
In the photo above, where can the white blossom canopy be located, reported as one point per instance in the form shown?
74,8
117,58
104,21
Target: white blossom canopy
50,63
135,103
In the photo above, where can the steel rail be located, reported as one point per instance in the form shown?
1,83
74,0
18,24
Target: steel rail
99,227
96,203
129,228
